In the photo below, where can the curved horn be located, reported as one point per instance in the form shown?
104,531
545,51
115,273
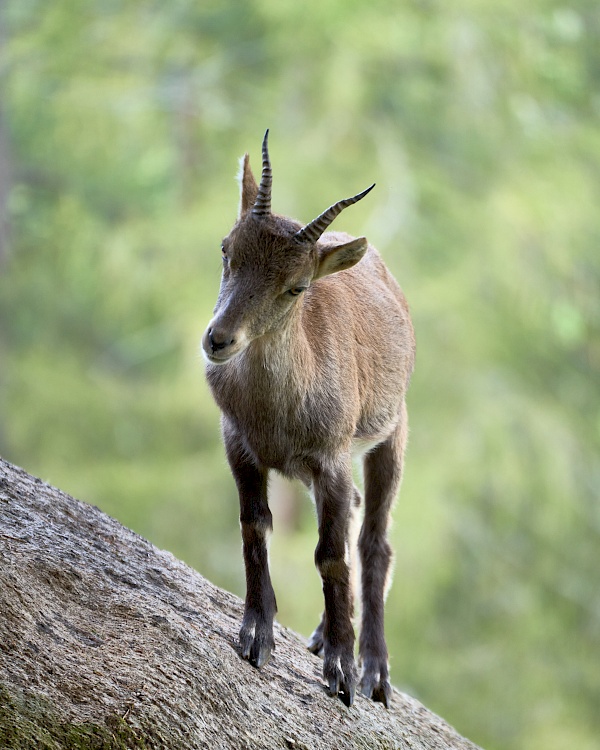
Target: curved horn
262,205
311,232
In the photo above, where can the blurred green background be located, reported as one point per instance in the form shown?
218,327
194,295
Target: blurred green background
120,128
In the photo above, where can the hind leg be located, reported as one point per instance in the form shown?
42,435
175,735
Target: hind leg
383,471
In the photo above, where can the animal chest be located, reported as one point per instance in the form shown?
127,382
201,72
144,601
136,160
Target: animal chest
281,433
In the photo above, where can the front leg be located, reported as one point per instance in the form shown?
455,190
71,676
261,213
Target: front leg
315,642
256,521
333,493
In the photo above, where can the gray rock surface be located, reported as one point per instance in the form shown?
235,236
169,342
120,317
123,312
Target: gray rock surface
108,642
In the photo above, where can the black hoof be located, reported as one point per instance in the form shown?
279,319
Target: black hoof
257,643
379,689
341,677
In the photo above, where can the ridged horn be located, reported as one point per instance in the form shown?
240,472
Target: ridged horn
262,204
311,232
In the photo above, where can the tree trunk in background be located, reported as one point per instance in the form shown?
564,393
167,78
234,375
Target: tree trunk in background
108,642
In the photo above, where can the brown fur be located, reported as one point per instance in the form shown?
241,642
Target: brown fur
302,382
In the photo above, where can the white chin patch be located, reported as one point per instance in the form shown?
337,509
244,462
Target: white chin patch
211,359
221,358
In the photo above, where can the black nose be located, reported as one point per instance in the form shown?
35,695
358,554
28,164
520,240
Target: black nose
219,340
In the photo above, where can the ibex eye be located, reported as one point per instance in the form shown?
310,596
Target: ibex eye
296,290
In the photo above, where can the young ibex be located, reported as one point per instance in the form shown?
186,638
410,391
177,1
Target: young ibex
309,358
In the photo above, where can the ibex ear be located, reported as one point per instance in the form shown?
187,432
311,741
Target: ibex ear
334,258
248,186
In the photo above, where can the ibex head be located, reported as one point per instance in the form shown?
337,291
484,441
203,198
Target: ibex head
269,261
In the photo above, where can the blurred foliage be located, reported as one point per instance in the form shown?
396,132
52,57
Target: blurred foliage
123,121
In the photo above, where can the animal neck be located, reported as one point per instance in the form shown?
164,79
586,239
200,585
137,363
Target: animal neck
285,353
